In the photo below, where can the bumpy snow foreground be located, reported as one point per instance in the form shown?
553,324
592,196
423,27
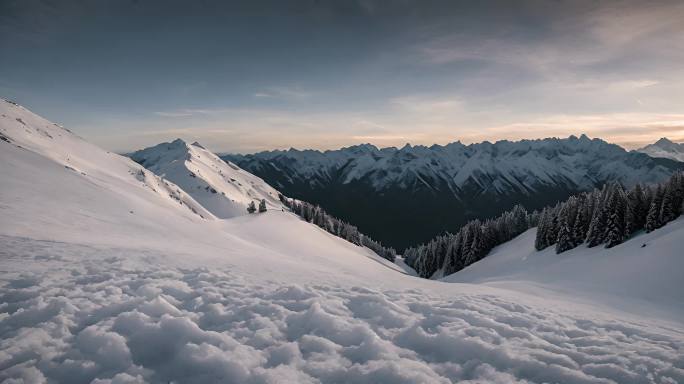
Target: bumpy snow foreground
106,280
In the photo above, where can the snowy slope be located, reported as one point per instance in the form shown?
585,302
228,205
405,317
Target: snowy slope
221,187
91,293
647,267
664,148
31,142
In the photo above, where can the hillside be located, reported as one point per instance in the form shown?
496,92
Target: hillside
644,269
107,280
439,188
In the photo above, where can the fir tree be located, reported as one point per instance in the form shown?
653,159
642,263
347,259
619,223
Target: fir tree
565,240
251,208
597,227
638,206
262,206
667,207
615,223
653,217
582,218
540,240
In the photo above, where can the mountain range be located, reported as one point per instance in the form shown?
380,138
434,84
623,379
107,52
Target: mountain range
404,196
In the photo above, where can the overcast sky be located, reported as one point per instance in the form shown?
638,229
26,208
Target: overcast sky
256,75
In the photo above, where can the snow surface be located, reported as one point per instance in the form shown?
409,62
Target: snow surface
221,187
106,281
640,275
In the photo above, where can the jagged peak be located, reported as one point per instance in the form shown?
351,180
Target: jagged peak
664,141
365,147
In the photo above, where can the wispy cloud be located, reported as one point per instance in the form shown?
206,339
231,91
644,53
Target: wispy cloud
426,104
187,112
286,93
173,114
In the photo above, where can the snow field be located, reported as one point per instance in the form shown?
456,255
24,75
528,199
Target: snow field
85,314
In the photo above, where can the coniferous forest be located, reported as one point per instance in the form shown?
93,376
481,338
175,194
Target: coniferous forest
606,216
316,215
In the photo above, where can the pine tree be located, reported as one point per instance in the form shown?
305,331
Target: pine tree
540,240
552,226
582,219
251,208
639,207
564,241
262,206
454,261
667,207
653,216
615,223
597,227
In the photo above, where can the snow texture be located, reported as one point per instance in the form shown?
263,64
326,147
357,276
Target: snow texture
89,314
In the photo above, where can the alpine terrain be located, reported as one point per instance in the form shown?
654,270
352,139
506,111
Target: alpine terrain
114,273
405,196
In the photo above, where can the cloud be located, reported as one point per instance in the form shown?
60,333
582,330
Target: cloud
173,114
426,104
187,112
576,41
285,93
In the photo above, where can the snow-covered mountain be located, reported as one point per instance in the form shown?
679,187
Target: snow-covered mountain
221,187
664,148
33,144
441,187
108,279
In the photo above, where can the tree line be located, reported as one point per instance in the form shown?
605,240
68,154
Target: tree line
610,215
452,252
316,215
606,216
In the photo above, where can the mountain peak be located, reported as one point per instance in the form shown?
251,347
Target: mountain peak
666,148
178,144
223,189
664,141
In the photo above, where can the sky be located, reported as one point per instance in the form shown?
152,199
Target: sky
259,75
